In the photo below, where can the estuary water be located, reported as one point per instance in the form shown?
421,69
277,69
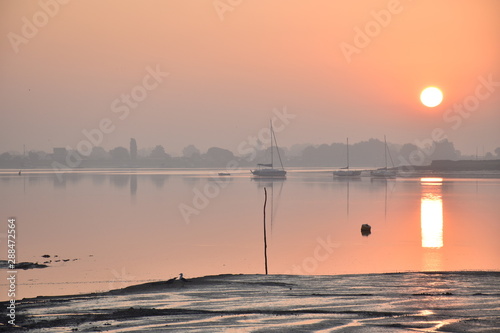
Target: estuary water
108,229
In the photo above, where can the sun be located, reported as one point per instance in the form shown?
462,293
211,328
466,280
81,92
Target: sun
431,97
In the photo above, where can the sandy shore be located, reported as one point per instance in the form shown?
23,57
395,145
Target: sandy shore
399,302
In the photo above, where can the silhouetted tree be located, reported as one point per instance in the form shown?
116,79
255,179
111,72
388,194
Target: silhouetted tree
445,150
33,156
133,149
325,155
119,153
371,152
5,156
158,152
409,155
190,151
218,156
297,149
497,151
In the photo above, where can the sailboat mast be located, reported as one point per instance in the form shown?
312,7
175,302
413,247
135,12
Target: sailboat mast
277,147
347,153
385,150
272,149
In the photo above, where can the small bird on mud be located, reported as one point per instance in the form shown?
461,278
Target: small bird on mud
181,278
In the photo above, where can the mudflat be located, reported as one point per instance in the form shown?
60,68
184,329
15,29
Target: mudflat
393,302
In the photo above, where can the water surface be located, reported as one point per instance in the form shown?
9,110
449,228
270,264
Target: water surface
124,227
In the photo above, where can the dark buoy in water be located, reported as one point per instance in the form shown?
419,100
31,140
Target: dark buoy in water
366,230
19,172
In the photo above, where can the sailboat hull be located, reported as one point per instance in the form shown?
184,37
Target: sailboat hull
347,173
270,173
384,173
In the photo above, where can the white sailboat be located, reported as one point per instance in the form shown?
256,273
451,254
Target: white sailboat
267,170
345,172
384,172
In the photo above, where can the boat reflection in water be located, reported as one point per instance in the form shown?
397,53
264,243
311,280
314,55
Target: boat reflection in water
431,213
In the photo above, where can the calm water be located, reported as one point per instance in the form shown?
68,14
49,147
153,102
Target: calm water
125,227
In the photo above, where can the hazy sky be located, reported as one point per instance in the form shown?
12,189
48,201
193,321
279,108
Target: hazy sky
343,68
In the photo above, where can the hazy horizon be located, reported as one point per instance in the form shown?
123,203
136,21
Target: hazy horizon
294,150
213,74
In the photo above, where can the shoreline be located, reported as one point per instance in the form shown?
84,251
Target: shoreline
153,285
393,302
404,172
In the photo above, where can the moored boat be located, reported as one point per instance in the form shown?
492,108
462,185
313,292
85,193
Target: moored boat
345,172
384,172
267,170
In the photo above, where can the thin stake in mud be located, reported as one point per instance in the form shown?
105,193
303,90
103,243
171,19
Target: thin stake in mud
265,238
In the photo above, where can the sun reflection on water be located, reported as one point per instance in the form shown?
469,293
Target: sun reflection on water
431,213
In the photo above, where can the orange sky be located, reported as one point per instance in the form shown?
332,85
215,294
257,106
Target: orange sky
226,76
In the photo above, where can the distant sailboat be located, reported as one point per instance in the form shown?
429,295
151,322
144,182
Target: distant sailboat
345,172
384,172
267,170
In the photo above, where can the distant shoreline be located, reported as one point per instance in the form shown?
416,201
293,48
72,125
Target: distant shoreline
456,169
462,165
441,168
438,168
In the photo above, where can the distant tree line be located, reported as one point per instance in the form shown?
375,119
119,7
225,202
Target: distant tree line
369,153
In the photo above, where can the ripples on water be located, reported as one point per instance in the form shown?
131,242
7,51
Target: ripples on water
125,227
